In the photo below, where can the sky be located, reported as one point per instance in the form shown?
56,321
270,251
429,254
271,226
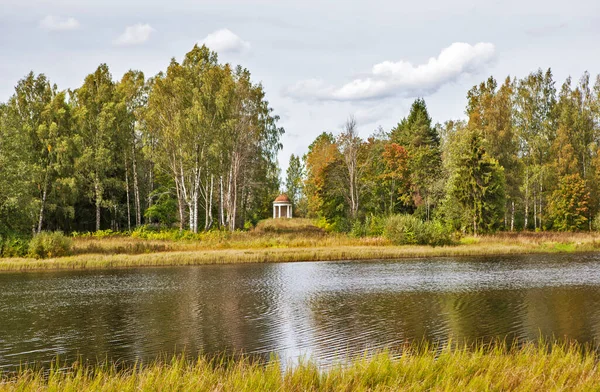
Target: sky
319,61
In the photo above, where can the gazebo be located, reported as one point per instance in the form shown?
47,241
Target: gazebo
282,207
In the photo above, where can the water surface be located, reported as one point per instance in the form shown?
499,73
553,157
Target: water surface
320,309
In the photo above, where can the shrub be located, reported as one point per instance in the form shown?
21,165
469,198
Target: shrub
13,246
372,226
358,229
155,233
375,225
438,234
49,244
322,223
596,222
164,209
404,229
105,233
97,234
410,230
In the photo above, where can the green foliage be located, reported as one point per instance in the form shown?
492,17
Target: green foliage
202,134
294,181
179,148
476,187
150,232
405,230
13,246
98,116
421,140
210,123
98,234
322,223
371,226
105,233
410,230
569,204
438,233
596,222
49,244
164,209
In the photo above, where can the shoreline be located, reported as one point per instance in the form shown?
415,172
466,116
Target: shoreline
557,366
92,261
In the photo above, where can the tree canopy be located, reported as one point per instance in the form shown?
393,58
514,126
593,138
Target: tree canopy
196,144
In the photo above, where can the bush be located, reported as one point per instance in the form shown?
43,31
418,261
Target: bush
336,224
438,234
49,244
596,222
155,233
13,246
410,230
358,229
404,229
372,226
105,233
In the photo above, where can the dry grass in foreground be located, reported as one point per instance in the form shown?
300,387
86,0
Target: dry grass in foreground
529,368
287,241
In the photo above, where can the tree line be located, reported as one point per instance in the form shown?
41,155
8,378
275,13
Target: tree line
194,146
526,158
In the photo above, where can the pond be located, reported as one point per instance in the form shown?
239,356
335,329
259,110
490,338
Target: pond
322,310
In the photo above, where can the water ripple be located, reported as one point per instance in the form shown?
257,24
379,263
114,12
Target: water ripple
323,310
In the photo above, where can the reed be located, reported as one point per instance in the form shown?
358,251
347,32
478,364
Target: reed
557,367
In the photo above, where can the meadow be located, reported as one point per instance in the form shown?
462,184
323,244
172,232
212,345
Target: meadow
496,367
281,241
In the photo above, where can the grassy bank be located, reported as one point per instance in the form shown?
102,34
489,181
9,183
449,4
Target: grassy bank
529,368
285,241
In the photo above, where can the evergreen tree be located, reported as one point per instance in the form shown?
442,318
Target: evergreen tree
420,139
477,184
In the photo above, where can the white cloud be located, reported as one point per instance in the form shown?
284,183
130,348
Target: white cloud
371,115
56,23
135,35
402,78
225,40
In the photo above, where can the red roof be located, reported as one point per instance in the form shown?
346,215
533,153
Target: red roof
282,199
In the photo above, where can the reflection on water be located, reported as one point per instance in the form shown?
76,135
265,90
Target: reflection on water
322,309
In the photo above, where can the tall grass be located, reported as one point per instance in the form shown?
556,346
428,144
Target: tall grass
270,255
283,241
560,367
270,233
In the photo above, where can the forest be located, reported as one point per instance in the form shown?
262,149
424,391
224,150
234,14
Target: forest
195,148
526,158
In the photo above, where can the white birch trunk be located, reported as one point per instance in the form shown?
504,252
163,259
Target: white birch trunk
127,192
136,189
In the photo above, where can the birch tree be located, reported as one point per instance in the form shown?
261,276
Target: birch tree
95,113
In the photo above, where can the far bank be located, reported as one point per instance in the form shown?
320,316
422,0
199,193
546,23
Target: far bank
117,251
